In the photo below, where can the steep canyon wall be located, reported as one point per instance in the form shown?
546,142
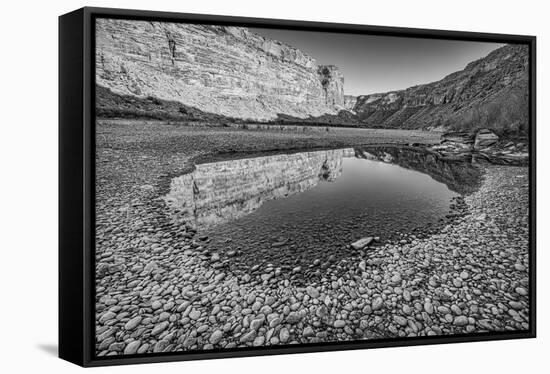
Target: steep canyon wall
228,71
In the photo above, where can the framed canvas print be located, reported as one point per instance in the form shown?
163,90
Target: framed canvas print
237,186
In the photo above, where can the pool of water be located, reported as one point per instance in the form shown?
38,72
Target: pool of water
302,210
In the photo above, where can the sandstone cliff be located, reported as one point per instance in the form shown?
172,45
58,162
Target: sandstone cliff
492,92
226,71
349,102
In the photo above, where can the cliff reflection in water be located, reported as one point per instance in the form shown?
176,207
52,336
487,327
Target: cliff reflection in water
222,191
219,192
458,176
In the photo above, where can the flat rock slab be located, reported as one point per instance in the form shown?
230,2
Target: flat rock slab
362,243
485,138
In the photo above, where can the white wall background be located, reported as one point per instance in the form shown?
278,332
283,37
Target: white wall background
28,208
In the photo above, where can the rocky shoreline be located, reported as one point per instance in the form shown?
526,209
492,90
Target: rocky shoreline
158,289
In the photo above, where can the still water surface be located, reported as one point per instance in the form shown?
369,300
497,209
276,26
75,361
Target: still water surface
292,209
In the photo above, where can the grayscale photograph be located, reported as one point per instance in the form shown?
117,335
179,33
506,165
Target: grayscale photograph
268,187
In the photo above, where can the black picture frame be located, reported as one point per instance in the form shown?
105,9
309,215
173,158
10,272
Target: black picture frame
76,183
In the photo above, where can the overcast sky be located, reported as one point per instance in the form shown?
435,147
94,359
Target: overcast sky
372,64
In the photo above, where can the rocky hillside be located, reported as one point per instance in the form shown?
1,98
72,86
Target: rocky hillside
349,102
225,71
492,92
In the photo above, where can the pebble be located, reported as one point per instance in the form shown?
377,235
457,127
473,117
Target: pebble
156,305
339,323
216,337
293,318
400,320
160,327
428,307
377,303
308,331
470,277
132,347
460,321
195,314
522,291
312,292
106,317
284,335
133,323
248,337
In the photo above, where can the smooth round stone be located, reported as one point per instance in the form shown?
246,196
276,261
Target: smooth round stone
133,323
284,335
396,278
516,305
107,316
293,318
312,292
402,321
460,321
248,337
519,267
456,309
522,291
308,331
428,307
377,303
132,347
259,341
160,327
339,324
195,314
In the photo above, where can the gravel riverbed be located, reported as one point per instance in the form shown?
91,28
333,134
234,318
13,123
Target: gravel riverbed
159,288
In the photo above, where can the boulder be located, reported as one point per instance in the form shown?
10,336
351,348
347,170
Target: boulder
362,243
485,138
460,137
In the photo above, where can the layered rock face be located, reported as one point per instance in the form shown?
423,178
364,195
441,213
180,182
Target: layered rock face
333,85
222,70
349,102
492,92
222,191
